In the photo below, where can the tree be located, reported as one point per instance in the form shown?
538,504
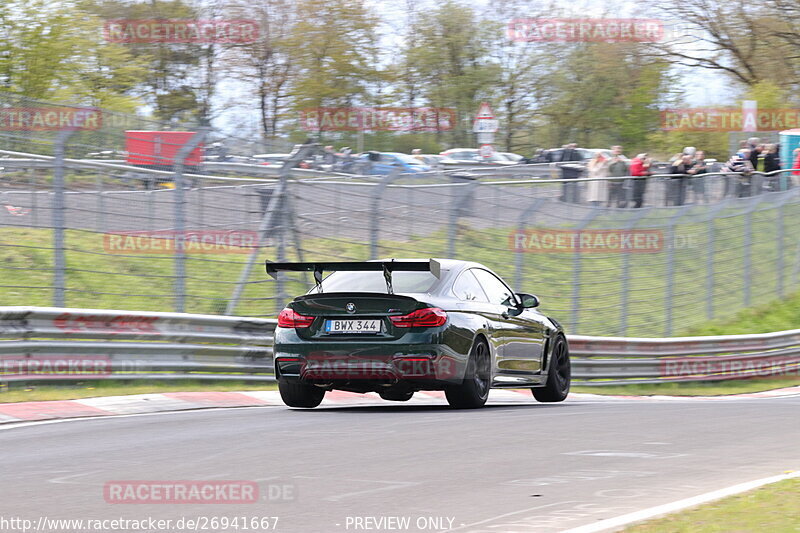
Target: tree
452,62
56,51
748,42
171,83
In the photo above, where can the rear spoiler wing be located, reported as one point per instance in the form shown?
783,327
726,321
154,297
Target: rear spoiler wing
387,267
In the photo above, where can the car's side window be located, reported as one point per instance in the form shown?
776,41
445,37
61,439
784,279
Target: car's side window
496,290
467,288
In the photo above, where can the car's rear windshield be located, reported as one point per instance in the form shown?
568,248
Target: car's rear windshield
402,282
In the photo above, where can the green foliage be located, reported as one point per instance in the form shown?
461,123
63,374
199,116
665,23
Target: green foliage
55,51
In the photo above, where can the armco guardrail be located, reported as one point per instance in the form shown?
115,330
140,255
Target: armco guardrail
52,343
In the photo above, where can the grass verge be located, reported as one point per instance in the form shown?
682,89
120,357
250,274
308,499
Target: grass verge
770,508
708,388
73,391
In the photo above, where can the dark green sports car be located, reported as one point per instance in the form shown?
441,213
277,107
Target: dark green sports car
399,326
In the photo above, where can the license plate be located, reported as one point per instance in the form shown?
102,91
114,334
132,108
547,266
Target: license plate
353,326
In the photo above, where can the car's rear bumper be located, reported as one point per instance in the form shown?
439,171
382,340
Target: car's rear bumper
370,366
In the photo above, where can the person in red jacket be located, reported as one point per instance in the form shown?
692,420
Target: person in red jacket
796,165
640,166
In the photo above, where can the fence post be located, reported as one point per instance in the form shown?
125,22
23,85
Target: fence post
101,206
519,257
180,218
576,271
710,253
34,200
459,203
748,244
270,215
59,261
779,250
669,241
375,216
626,266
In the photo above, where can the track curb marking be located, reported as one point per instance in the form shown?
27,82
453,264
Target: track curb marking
182,401
613,524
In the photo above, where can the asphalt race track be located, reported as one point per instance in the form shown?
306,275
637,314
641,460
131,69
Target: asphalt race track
507,467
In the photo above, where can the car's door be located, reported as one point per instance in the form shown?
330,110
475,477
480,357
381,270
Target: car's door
522,333
473,300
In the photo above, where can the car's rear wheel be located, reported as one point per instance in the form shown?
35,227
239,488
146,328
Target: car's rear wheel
300,394
473,391
558,376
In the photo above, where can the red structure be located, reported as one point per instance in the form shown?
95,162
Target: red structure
158,149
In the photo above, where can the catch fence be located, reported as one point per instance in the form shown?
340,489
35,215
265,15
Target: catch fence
79,232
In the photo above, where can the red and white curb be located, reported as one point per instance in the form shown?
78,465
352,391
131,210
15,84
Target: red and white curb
184,401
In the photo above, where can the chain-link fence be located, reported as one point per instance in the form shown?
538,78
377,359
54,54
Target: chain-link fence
96,235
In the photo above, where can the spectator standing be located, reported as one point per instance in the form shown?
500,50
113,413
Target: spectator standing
596,191
677,183
772,163
741,166
569,191
698,181
640,166
328,155
617,167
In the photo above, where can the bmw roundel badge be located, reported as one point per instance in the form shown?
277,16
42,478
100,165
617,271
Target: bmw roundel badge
350,307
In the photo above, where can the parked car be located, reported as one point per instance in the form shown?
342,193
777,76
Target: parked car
382,163
470,157
397,327
516,158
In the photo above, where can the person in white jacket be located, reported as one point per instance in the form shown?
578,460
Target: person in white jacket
597,191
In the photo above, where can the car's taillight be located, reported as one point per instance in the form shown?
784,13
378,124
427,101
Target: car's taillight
428,317
289,319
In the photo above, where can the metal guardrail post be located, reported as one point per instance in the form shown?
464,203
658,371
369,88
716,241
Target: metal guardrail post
59,225
180,218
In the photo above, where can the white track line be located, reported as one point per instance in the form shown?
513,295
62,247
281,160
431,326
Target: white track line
660,510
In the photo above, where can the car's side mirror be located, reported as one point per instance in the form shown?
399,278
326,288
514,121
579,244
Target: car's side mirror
528,301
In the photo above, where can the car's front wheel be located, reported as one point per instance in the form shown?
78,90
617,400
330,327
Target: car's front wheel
299,394
473,391
559,375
